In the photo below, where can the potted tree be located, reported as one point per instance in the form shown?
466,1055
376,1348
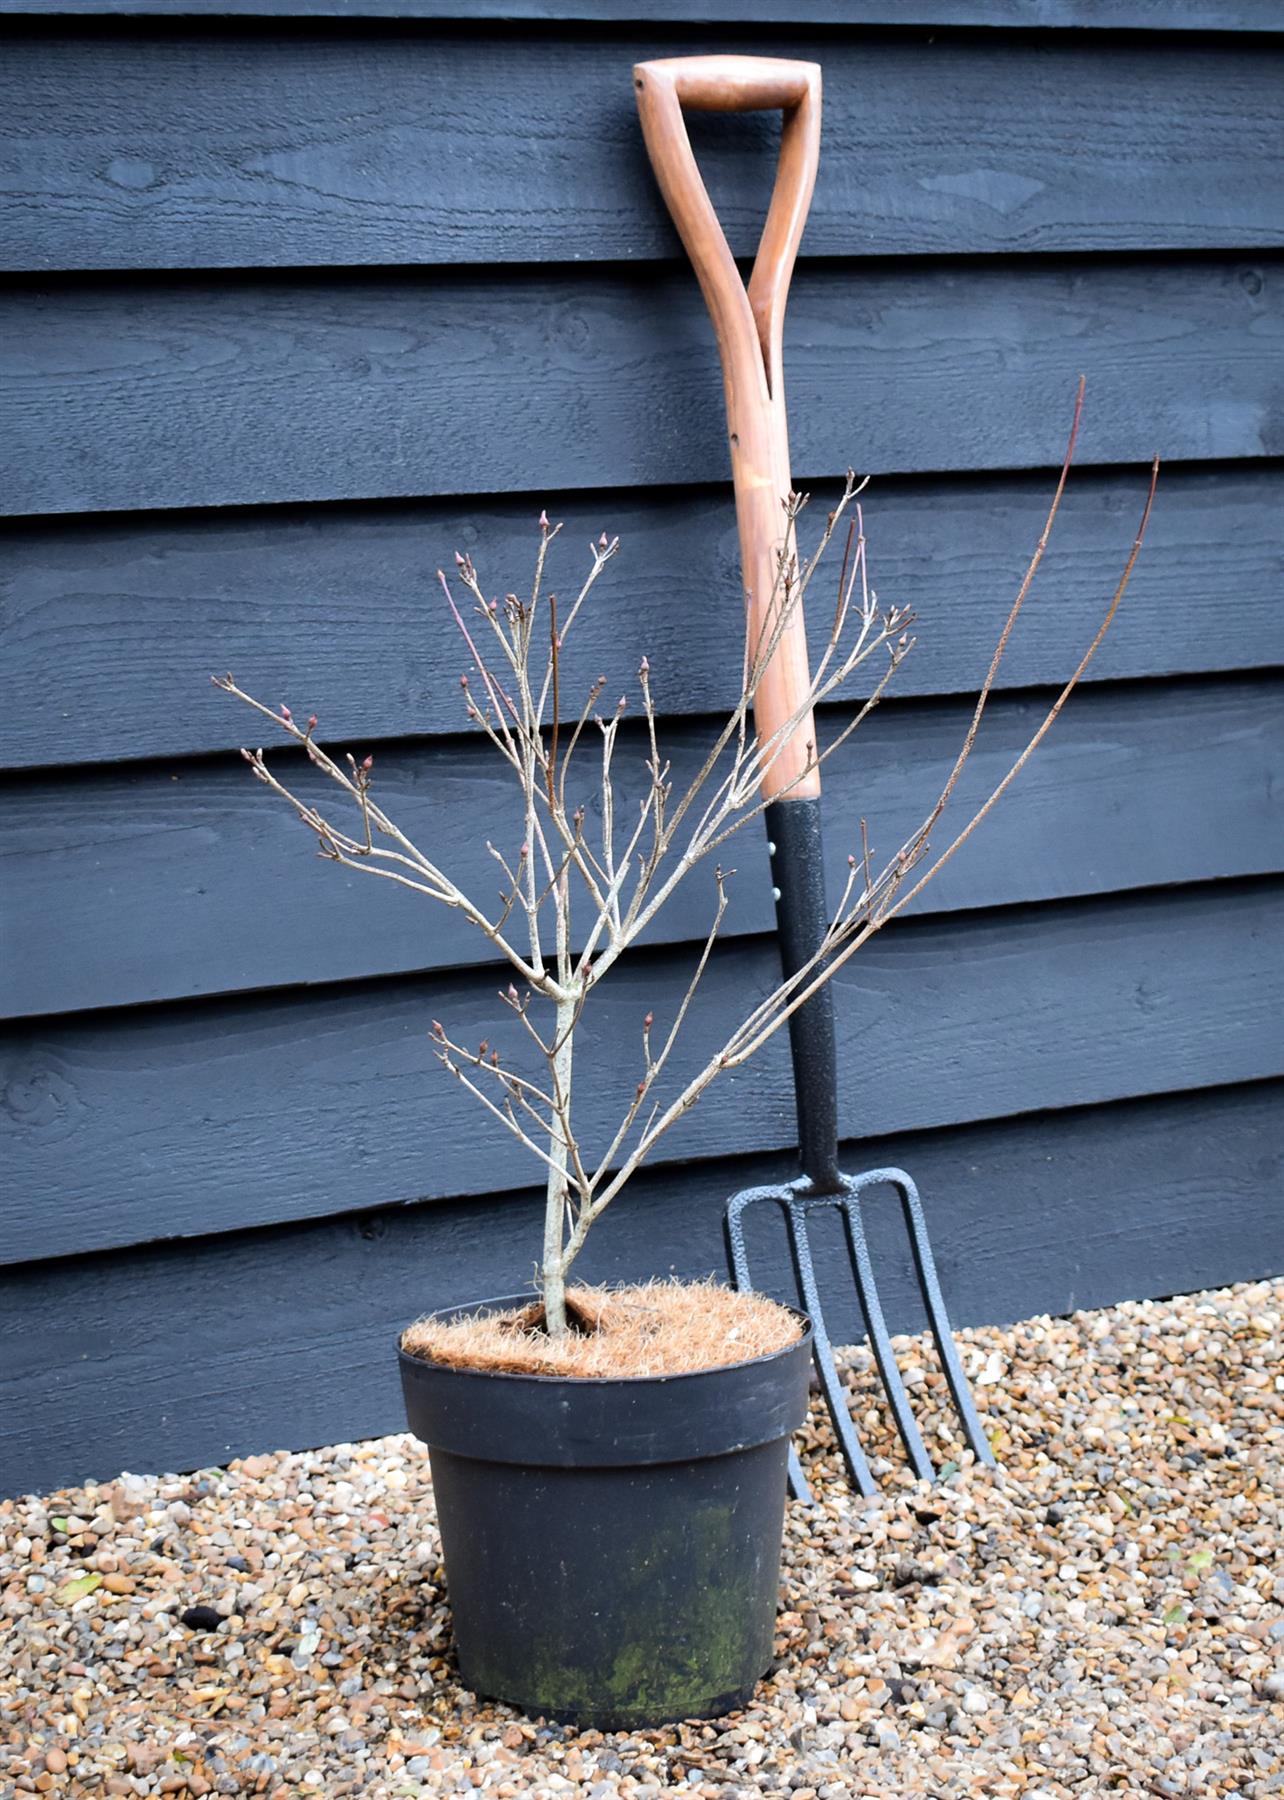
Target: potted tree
609,1467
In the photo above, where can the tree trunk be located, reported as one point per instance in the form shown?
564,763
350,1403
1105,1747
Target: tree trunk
553,1271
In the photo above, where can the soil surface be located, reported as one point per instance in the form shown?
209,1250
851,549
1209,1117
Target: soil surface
653,1328
1103,1617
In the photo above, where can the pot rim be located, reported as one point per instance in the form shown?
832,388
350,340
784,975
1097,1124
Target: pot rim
503,1301
594,1421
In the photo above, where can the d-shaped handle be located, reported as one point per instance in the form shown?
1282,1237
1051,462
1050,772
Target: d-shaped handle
749,323
736,83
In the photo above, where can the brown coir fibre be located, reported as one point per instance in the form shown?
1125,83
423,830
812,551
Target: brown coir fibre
660,1328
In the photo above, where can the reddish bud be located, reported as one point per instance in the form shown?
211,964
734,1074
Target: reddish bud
463,682
483,1047
649,1021
851,862
512,992
494,1059
368,764
644,667
601,542
543,520
438,1029
524,852
286,714
459,560
312,722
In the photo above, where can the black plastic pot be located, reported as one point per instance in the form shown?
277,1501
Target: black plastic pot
612,1548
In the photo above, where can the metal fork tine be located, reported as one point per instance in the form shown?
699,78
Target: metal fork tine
733,1232
822,1351
799,1486
930,1287
876,1327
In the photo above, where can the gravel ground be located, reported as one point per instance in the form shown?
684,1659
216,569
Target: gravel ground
1106,1616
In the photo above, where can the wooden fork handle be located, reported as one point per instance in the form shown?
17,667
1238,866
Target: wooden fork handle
749,325
736,83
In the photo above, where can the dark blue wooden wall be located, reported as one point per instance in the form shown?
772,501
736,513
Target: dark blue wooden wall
300,296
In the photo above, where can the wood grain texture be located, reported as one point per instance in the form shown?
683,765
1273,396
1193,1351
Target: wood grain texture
110,627
179,1356
199,147
131,887
220,390
173,1120
1109,15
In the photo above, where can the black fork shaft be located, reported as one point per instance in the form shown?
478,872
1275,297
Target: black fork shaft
802,920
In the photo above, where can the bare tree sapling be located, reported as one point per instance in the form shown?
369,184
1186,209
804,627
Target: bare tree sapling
575,896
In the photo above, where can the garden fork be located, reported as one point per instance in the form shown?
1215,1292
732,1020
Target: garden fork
749,323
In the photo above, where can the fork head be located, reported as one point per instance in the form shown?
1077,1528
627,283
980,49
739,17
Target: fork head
797,1201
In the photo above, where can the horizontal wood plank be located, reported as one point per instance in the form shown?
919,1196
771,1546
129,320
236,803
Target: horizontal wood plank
219,389
199,148
137,886
110,627
1110,15
173,1120
184,1355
